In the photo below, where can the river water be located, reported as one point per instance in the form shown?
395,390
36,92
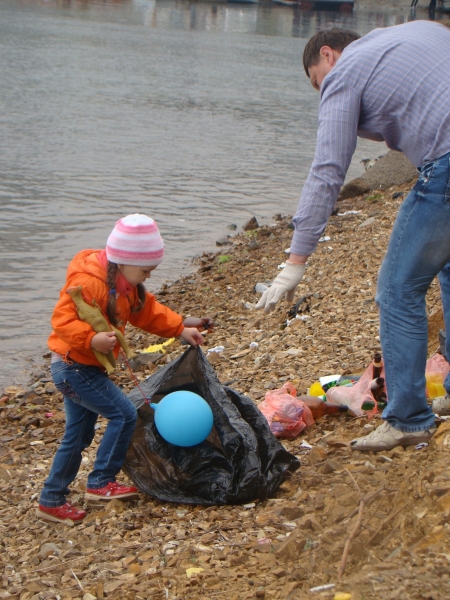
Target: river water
197,114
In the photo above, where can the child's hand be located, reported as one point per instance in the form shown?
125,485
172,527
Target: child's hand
202,324
192,336
104,341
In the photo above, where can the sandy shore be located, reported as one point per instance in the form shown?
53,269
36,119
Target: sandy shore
141,550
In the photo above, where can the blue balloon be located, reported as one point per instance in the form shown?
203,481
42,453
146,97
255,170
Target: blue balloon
183,418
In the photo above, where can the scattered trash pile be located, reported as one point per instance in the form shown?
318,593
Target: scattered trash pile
361,395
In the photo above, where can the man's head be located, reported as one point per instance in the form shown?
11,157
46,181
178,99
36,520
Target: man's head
322,52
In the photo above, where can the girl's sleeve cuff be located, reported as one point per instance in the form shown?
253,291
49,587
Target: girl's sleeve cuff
87,343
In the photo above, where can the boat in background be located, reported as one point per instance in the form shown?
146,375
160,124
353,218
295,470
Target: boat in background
342,5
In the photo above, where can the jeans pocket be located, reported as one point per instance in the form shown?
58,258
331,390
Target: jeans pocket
426,171
425,174
67,391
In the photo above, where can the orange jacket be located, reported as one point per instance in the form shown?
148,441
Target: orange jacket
73,336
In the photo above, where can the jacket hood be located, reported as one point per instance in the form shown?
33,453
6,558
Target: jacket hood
86,262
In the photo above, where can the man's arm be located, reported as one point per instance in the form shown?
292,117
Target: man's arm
336,141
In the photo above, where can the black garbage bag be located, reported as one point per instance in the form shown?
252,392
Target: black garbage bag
240,461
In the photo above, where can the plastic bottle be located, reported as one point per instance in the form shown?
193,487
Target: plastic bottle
377,365
319,408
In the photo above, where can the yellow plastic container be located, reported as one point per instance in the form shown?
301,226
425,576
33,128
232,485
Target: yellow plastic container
435,390
434,387
316,389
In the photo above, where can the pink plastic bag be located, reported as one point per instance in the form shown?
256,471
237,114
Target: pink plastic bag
436,371
287,415
356,395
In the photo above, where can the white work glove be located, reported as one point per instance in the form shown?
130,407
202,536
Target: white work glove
284,283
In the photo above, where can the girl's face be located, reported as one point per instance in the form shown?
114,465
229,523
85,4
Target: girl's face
135,275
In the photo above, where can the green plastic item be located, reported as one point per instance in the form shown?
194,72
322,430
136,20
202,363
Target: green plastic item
368,405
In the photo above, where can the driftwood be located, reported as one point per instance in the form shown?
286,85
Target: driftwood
95,318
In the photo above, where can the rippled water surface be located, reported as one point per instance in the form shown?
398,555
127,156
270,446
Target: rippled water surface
197,114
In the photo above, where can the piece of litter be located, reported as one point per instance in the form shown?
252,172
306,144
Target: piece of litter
348,212
325,238
287,251
158,347
193,571
386,458
323,588
48,415
217,349
281,266
260,288
305,445
327,380
264,541
250,505
254,345
421,445
300,317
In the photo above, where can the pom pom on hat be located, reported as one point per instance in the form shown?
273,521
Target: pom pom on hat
135,240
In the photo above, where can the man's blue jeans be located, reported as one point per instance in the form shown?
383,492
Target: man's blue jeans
88,392
418,251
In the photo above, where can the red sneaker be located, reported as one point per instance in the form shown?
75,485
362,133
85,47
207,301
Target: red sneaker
112,490
61,514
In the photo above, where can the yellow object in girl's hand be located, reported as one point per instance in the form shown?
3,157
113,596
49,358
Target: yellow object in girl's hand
158,347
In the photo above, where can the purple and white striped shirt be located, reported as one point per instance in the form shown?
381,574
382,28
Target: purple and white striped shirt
393,84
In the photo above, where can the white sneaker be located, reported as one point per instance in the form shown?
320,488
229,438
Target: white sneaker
441,405
385,437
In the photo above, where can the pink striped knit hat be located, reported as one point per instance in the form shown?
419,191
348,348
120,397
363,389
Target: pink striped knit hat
136,241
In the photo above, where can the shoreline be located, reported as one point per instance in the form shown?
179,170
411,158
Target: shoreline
387,175
137,550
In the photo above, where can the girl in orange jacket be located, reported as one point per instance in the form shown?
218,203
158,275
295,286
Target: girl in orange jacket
114,278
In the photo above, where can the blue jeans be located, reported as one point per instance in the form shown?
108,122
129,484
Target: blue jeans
88,392
418,251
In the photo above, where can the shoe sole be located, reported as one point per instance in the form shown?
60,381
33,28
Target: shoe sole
97,498
47,517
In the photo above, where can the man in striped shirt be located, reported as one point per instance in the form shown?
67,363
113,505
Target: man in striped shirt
391,85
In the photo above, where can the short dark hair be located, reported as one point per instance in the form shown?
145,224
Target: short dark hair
336,39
